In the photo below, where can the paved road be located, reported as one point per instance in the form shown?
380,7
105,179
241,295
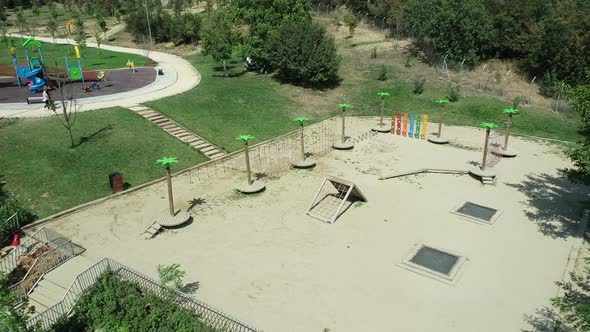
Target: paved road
179,76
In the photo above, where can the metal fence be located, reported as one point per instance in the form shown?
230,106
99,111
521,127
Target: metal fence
30,244
42,265
210,316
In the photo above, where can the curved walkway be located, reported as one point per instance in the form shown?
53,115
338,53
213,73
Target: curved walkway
179,76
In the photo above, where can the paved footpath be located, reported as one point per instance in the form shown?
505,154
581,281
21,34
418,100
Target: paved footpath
179,76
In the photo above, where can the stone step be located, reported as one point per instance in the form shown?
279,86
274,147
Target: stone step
193,139
176,130
216,155
147,114
155,116
208,148
183,134
139,108
200,145
159,120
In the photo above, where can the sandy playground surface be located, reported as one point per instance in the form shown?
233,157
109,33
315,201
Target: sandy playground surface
262,259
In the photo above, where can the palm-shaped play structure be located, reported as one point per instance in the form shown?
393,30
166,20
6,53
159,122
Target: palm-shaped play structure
438,139
381,127
251,186
170,217
343,144
303,162
505,151
481,171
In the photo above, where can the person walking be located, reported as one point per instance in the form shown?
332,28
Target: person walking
46,97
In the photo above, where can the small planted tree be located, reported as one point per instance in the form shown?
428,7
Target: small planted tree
343,144
167,162
438,139
171,276
251,186
219,40
351,22
488,126
510,112
381,127
303,162
52,28
67,113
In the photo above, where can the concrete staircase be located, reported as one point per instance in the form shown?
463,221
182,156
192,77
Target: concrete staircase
180,132
54,284
487,180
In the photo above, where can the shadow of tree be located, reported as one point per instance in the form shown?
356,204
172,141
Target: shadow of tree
558,204
190,288
102,132
544,320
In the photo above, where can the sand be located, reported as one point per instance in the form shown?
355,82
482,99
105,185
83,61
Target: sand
262,259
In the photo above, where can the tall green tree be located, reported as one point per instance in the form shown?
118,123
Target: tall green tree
304,53
219,40
580,101
11,319
263,18
460,28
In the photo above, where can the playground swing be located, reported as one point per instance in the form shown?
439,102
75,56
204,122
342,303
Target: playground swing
75,72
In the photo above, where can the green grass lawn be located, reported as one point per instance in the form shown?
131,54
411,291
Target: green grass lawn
48,176
220,108
468,111
54,55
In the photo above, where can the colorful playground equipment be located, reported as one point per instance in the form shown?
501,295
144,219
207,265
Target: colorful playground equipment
131,65
33,70
409,125
75,72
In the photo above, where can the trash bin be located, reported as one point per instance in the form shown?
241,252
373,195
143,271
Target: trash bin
116,182
160,71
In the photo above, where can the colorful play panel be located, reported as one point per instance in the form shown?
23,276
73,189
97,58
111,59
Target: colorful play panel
409,125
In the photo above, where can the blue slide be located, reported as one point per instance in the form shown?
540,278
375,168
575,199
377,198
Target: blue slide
38,83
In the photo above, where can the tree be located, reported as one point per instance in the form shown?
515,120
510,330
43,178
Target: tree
488,126
351,22
219,40
102,24
441,103
580,155
52,9
382,94
463,29
167,162
98,37
68,111
80,33
52,28
245,139
11,318
303,162
304,53
575,303
511,112
263,18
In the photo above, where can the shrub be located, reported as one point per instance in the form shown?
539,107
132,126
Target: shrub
549,85
374,53
382,76
419,85
304,53
113,304
9,205
454,93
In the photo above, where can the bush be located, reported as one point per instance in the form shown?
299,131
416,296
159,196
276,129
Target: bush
454,93
9,205
549,85
382,76
419,85
374,53
304,53
113,304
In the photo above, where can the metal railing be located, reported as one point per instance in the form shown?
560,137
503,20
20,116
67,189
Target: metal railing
43,265
30,244
208,315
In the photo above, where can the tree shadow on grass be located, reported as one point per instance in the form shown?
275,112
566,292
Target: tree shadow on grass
102,132
557,204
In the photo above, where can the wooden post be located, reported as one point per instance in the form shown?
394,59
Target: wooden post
382,110
508,125
440,121
302,143
170,197
485,151
246,151
343,125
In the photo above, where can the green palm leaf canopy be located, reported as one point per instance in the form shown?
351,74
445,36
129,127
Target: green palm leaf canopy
301,120
344,106
511,111
245,138
383,94
167,161
442,102
488,125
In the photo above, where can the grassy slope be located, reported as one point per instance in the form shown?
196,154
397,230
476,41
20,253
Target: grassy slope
220,108
91,59
49,177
